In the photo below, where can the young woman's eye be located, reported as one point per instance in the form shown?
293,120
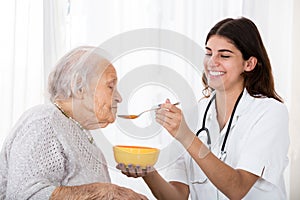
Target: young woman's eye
224,56
208,54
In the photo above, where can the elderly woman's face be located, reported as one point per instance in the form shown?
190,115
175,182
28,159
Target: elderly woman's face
106,96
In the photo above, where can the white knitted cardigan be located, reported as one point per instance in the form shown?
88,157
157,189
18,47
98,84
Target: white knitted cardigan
45,150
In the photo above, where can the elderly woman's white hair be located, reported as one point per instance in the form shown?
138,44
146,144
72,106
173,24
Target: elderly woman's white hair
73,72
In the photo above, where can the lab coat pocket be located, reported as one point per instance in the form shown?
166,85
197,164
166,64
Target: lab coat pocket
263,185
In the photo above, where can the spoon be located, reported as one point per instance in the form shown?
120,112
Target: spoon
136,116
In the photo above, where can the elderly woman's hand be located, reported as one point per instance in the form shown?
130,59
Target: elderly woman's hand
96,191
122,193
134,171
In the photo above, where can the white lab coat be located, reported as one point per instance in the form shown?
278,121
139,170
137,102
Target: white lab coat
258,142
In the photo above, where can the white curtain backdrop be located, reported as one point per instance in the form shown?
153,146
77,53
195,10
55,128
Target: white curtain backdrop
21,63
35,34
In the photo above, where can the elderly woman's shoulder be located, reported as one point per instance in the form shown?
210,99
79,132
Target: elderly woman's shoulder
39,112
35,118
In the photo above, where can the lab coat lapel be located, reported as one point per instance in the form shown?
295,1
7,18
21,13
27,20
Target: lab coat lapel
242,106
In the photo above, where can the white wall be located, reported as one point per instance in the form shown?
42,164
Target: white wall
295,107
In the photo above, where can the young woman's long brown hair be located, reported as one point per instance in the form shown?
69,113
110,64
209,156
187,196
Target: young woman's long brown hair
244,34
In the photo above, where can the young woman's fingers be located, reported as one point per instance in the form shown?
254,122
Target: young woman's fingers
170,107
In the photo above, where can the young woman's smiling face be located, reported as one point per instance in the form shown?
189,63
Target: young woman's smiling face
223,64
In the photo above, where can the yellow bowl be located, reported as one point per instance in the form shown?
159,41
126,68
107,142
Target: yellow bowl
136,155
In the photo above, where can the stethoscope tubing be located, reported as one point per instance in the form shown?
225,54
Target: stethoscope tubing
223,153
203,128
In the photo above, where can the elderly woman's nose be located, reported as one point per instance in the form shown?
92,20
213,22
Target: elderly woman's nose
118,96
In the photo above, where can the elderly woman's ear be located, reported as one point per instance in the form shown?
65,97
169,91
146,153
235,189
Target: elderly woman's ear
80,93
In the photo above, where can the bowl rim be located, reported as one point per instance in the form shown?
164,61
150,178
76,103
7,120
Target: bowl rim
135,147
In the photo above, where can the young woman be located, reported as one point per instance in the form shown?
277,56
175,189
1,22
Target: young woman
240,151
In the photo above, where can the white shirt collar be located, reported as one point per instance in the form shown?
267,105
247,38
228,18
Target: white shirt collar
242,106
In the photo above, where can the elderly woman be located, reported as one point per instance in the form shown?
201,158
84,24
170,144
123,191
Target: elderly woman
50,153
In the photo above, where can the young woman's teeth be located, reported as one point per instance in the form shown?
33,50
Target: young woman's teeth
215,73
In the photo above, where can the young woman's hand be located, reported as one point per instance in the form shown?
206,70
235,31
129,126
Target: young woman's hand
172,119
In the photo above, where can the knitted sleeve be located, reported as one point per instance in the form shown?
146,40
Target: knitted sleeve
36,162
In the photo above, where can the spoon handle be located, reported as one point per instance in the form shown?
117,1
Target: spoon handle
175,104
136,116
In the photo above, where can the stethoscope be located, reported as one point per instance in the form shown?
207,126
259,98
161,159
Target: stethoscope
223,153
